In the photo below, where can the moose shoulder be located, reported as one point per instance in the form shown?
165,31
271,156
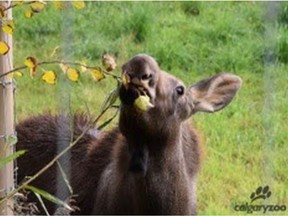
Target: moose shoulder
146,165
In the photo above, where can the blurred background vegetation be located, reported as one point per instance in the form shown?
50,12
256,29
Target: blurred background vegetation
245,145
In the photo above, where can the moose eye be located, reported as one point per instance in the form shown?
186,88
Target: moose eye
146,76
180,90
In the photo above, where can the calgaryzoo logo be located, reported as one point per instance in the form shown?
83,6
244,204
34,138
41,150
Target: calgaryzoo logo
260,193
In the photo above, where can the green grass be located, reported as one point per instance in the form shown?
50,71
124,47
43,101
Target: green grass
244,145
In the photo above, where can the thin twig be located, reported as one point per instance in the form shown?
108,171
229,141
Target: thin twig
15,5
63,62
54,160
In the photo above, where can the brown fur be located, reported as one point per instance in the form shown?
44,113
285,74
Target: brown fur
147,165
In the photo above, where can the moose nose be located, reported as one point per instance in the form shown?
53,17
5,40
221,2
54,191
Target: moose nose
136,81
127,79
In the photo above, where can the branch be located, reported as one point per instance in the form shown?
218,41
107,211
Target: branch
54,160
63,62
15,5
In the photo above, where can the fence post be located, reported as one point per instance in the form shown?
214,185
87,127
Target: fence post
6,117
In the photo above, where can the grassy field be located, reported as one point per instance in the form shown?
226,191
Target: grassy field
244,145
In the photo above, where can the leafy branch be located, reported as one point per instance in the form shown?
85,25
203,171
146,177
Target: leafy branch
98,73
18,4
39,5
55,159
99,69
7,23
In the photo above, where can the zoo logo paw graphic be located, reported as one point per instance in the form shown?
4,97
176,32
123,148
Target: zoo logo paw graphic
260,193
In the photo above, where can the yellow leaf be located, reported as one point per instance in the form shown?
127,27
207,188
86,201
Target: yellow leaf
97,75
83,67
49,77
17,3
59,5
11,23
4,48
64,67
8,27
28,13
73,74
37,6
142,103
15,74
31,63
78,4
18,73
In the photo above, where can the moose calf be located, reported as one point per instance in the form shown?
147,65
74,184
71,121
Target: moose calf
146,165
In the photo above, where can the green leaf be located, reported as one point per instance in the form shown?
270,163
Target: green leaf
48,196
42,203
111,98
11,139
108,121
10,158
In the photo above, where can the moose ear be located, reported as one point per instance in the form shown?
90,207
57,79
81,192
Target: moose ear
214,93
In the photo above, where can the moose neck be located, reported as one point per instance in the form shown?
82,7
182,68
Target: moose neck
154,158
146,146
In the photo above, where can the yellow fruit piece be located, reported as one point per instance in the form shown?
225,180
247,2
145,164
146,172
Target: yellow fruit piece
142,103
73,74
97,75
4,48
49,77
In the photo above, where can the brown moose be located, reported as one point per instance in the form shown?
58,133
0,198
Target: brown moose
146,165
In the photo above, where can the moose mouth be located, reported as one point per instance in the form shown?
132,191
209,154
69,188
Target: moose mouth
144,99
143,91
140,88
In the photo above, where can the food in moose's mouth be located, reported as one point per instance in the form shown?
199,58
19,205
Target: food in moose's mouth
142,103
